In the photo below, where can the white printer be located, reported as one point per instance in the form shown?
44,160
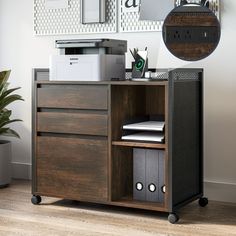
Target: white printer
89,60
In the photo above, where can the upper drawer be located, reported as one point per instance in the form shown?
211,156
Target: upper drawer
73,97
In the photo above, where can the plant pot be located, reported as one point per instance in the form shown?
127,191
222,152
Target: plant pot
5,163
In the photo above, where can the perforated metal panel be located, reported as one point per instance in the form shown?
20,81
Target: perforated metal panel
129,21
214,5
67,21
166,74
185,75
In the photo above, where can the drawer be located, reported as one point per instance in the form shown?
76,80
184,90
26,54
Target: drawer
73,97
72,168
72,123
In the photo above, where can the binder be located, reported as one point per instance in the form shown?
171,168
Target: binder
148,175
139,172
152,175
161,178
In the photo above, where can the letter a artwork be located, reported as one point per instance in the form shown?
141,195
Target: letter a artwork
131,5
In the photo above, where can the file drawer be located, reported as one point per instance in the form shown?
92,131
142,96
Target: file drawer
72,123
72,168
73,96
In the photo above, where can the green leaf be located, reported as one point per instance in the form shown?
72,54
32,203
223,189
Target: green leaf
4,76
8,100
5,115
2,124
11,133
7,92
3,131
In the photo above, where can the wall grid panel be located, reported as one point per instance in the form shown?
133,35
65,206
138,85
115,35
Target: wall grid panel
67,21
129,21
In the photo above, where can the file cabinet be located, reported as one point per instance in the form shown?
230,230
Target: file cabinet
78,153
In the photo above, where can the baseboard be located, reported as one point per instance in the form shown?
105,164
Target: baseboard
223,192
21,171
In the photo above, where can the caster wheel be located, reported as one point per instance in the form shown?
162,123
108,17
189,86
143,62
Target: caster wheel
173,218
36,200
203,201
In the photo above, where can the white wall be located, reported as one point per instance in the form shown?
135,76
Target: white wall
21,51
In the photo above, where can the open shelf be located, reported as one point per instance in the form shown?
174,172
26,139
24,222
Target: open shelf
139,144
129,202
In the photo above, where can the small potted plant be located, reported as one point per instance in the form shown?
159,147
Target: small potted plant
6,97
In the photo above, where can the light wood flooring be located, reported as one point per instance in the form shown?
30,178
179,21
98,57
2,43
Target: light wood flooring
62,217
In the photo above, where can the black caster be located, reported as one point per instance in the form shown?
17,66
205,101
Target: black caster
36,199
173,218
203,201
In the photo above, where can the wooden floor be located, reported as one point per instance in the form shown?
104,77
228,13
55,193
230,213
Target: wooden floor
60,217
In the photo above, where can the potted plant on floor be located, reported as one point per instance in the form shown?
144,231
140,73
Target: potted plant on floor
6,98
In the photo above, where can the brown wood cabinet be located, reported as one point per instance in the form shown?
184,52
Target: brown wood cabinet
77,148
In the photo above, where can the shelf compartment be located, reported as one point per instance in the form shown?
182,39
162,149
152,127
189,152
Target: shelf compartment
139,144
129,202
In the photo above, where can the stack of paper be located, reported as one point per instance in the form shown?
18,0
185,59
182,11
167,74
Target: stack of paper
145,136
147,125
152,131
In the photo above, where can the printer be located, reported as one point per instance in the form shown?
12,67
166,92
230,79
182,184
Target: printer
88,60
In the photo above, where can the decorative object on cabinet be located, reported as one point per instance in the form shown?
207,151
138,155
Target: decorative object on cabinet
140,64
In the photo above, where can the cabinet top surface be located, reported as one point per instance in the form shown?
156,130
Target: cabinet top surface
162,82
104,82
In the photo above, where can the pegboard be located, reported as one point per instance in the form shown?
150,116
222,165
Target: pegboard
214,5
67,21
129,21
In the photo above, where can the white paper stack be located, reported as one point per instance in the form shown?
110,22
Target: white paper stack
147,131
146,126
145,136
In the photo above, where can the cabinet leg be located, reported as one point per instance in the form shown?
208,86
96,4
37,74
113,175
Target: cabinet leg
203,202
36,199
173,218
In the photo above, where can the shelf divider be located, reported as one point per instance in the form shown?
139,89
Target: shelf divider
139,144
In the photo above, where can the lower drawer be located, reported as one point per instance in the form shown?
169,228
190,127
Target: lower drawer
72,168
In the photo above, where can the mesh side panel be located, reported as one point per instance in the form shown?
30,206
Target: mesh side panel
182,75
160,74
128,75
164,74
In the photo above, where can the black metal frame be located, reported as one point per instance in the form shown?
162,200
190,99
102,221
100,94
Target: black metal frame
172,207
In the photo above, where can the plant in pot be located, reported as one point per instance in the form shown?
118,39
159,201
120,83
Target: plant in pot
7,97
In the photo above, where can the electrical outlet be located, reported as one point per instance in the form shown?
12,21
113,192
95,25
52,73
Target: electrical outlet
190,34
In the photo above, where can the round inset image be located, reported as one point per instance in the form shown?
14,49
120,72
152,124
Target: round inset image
191,32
